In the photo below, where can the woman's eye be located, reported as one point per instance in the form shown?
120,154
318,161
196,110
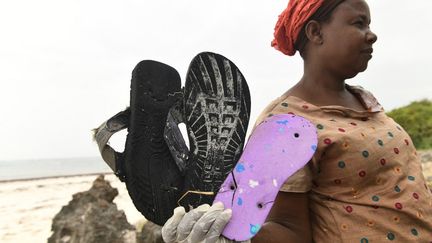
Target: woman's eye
359,23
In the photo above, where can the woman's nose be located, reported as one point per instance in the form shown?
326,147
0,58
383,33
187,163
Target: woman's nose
371,37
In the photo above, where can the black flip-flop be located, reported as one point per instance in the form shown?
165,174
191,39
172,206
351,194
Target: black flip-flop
216,112
153,179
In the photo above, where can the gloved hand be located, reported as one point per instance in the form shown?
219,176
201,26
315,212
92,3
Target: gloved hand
202,224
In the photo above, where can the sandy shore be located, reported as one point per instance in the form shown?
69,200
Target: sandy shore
27,207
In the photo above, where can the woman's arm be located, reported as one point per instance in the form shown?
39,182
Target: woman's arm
288,220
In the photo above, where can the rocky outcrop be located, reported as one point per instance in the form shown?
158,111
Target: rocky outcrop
426,159
426,156
92,217
150,233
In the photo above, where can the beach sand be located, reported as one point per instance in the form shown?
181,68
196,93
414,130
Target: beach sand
27,207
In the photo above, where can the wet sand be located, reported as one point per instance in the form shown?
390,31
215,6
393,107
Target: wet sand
27,207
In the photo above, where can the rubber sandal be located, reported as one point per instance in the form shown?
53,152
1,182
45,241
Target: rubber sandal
152,178
174,138
103,133
277,148
216,112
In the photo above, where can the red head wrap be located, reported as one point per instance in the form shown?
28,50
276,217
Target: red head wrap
292,20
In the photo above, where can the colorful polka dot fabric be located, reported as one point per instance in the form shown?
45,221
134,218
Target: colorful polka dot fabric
365,181
277,148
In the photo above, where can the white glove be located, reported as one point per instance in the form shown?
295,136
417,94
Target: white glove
202,224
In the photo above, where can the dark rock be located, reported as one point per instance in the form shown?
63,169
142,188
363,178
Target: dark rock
150,233
92,217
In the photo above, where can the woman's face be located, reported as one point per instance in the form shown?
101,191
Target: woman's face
347,39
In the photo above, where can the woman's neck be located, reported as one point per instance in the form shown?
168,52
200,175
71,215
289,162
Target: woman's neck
321,88
317,76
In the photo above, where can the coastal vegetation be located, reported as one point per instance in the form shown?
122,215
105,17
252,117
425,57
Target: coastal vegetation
416,119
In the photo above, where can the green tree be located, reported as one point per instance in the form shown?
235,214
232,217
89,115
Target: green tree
416,119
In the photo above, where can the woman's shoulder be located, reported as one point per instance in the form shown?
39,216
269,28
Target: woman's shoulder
284,104
267,111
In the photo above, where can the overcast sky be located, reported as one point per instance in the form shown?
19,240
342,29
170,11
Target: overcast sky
65,65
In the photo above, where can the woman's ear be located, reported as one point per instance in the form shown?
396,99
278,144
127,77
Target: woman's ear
313,32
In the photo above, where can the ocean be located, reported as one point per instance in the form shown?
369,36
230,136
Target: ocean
32,169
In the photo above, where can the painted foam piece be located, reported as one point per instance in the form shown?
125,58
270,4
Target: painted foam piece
277,148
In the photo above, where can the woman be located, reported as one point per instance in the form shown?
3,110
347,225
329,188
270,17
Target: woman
364,183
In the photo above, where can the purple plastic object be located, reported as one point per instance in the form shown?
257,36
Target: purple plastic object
278,147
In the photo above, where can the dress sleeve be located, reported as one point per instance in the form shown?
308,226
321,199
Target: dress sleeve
301,181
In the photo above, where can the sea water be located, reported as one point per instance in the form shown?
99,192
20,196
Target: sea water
31,169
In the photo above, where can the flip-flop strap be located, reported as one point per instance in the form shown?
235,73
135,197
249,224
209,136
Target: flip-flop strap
174,139
103,133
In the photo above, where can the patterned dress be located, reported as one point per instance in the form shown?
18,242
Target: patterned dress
365,181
